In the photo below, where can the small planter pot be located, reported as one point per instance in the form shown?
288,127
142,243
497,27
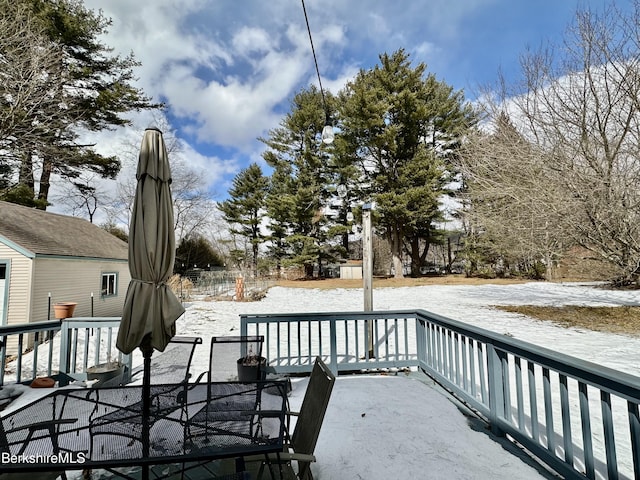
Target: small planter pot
64,309
109,373
252,370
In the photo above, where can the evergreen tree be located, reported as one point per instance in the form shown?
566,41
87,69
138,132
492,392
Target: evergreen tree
94,86
196,252
298,196
404,126
245,209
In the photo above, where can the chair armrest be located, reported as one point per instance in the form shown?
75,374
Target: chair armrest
282,457
200,377
46,424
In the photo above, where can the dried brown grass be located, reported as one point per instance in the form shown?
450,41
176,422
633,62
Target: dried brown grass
622,320
331,283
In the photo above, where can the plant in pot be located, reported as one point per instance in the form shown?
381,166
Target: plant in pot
109,373
251,367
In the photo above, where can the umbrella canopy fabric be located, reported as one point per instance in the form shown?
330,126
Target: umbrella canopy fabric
150,307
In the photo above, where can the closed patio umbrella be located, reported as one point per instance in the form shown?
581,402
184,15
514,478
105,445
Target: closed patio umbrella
150,307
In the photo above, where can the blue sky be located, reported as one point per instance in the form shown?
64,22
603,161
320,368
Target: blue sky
227,69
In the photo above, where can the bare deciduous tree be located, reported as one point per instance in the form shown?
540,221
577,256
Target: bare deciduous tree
573,164
192,201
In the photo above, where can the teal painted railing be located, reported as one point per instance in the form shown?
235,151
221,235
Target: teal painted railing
578,417
69,346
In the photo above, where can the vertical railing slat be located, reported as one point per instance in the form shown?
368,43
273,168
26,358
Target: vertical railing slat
506,381
609,435
406,339
484,383
19,359
472,367
456,341
517,365
566,420
634,430
51,336
548,410
36,348
585,421
333,352
533,401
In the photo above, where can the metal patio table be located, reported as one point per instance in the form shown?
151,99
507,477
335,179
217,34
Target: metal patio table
73,429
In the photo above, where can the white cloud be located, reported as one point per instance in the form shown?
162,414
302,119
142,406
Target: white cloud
228,69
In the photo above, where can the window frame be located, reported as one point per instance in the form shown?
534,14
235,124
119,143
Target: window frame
108,292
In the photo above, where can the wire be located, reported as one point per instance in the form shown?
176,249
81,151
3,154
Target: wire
315,60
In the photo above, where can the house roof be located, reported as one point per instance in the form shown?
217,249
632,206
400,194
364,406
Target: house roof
37,232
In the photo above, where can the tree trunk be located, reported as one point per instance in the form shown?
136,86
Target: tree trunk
418,256
308,270
255,259
396,253
45,180
26,173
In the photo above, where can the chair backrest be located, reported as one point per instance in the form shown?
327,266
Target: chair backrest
172,365
226,351
314,405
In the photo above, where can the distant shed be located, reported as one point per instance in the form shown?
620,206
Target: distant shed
352,270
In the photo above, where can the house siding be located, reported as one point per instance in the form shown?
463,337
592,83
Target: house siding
19,281
74,280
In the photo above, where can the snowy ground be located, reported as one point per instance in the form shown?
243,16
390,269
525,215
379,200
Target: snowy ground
381,427
385,427
469,304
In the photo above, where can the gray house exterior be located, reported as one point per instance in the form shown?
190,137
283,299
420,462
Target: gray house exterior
47,258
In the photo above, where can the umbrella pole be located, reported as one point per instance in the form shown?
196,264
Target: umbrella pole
147,351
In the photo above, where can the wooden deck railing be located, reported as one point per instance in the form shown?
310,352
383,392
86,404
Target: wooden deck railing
578,417
582,419
47,348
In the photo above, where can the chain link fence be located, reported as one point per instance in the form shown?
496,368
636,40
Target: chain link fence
221,284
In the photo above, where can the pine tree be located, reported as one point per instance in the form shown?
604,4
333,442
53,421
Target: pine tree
298,196
404,126
94,86
245,209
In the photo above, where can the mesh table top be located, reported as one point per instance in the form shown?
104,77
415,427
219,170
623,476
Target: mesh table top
89,428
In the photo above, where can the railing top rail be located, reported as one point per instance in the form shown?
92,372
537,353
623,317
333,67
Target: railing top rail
29,327
280,317
604,377
608,379
75,322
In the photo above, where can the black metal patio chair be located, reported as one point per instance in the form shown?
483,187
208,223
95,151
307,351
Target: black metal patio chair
302,441
169,380
226,358
172,365
229,355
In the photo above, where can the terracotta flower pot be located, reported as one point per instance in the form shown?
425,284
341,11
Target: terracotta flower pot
64,309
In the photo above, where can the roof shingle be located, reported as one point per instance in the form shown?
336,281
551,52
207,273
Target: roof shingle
45,233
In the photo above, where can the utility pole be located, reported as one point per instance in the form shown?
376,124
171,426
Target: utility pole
367,257
367,269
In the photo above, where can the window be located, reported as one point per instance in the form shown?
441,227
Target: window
109,284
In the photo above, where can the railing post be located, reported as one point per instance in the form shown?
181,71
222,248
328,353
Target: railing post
496,388
333,347
243,325
421,347
64,347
